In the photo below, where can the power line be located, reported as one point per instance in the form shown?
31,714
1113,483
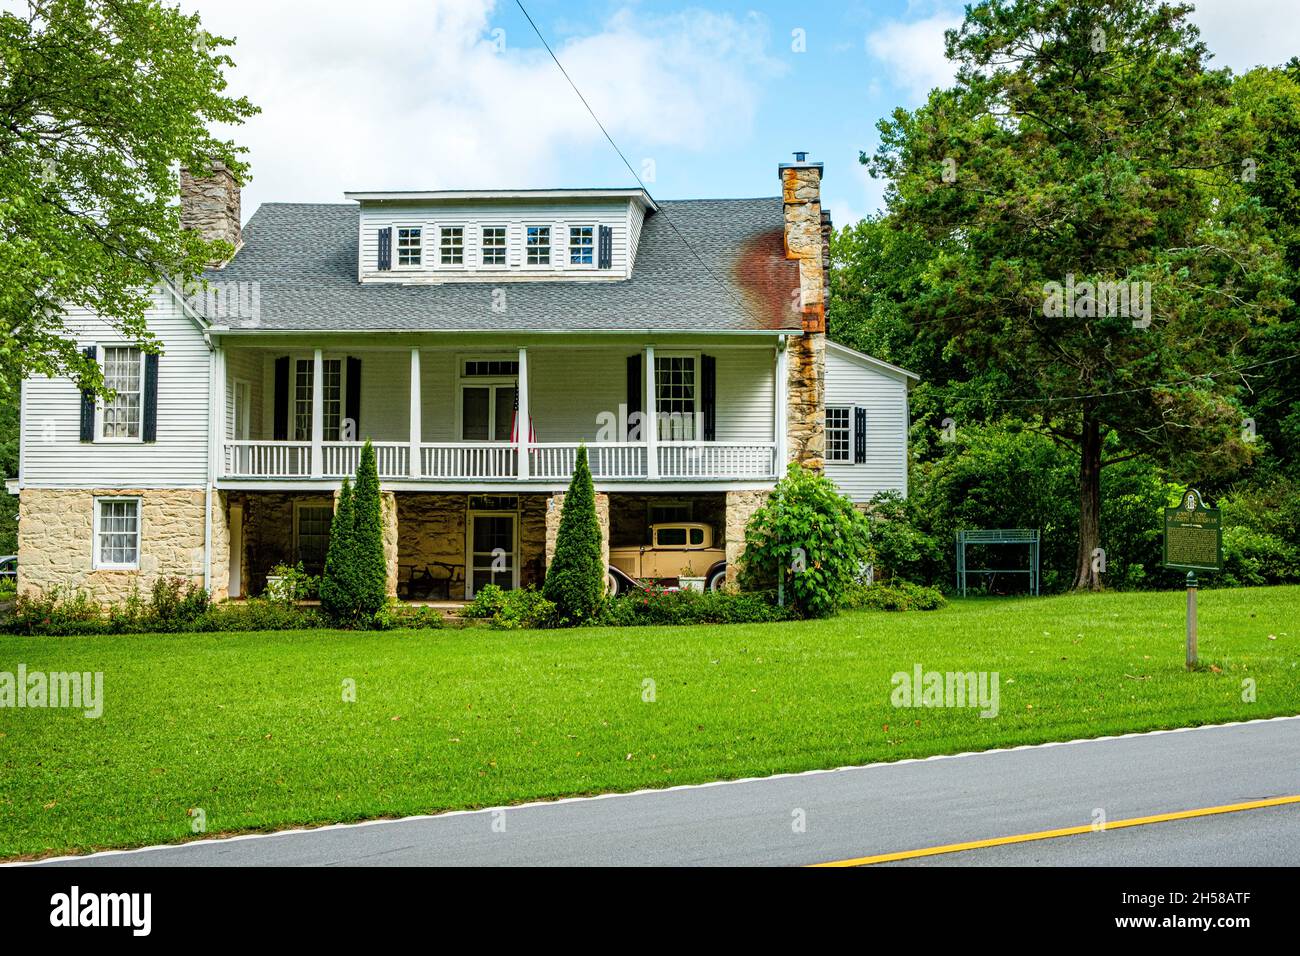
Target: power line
663,212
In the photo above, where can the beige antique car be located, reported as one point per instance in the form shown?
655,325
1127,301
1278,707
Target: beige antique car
680,549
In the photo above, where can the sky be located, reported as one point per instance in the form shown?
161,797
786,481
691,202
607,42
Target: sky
704,99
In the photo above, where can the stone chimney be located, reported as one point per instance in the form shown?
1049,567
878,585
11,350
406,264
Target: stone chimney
807,237
210,205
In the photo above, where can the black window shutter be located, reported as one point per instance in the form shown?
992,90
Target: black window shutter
386,248
88,400
606,250
149,427
709,395
352,402
859,436
282,398
633,392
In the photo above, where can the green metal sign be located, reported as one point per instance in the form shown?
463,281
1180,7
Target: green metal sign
1193,535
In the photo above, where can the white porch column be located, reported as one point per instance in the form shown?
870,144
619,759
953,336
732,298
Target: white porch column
219,418
317,414
521,418
416,425
650,418
782,406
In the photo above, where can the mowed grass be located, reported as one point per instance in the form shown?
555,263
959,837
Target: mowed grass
253,728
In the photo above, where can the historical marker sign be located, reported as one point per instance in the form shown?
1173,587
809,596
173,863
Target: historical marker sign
1193,535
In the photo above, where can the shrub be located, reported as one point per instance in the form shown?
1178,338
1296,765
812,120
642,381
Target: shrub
173,603
369,565
293,584
336,583
488,600
52,614
8,589
898,595
575,581
524,609
258,614
655,606
811,536
418,618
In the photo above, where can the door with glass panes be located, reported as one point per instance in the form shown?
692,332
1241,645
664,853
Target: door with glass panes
492,557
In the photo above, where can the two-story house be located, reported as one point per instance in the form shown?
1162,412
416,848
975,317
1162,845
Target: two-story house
477,338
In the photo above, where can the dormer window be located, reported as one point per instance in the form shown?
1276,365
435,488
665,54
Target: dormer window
582,245
408,247
494,245
539,245
452,246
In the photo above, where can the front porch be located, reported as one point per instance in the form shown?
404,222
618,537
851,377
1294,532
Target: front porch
451,414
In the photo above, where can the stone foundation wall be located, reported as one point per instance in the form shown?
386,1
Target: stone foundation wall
219,582
56,541
555,509
431,528
740,506
268,534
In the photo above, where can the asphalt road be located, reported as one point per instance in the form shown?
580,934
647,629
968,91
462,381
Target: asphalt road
858,812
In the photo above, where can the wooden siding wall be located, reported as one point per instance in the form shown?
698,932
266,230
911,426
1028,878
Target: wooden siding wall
884,396
52,452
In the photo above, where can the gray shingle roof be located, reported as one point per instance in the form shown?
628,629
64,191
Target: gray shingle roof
304,259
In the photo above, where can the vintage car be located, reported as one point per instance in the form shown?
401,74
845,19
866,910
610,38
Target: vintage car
676,550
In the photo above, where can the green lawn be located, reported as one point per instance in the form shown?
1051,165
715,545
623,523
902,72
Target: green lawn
252,728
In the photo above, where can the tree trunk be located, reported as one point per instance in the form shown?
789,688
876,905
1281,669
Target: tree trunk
1088,570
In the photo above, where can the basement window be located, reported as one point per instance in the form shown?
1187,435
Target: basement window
117,533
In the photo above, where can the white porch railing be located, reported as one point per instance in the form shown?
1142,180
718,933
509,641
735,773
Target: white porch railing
268,459
468,460
342,458
497,461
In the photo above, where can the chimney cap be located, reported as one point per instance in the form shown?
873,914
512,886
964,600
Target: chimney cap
800,162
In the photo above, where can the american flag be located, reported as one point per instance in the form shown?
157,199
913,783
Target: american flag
514,424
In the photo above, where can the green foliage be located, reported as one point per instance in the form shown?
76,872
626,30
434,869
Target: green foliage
682,607
575,581
175,603
524,609
337,582
417,618
369,566
102,101
1261,535
293,583
898,595
812,536
488,600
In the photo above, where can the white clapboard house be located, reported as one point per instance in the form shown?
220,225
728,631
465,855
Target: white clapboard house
477,338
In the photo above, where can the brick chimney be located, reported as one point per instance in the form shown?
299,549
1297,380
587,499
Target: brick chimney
807,238
210,205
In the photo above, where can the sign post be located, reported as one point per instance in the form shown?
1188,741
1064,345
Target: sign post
1193,542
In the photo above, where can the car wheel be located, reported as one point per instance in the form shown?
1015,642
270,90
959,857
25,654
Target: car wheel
611,584
718,580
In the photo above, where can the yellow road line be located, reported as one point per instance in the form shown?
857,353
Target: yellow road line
1062,832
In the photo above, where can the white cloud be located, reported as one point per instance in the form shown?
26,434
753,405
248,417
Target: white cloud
415,94
1247,33
913,53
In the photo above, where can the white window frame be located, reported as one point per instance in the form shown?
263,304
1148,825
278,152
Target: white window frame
100,438
464,246
97,536
310,359
483,246
491,382
697,417
848,433
550,246
568,245
325,503
397,247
